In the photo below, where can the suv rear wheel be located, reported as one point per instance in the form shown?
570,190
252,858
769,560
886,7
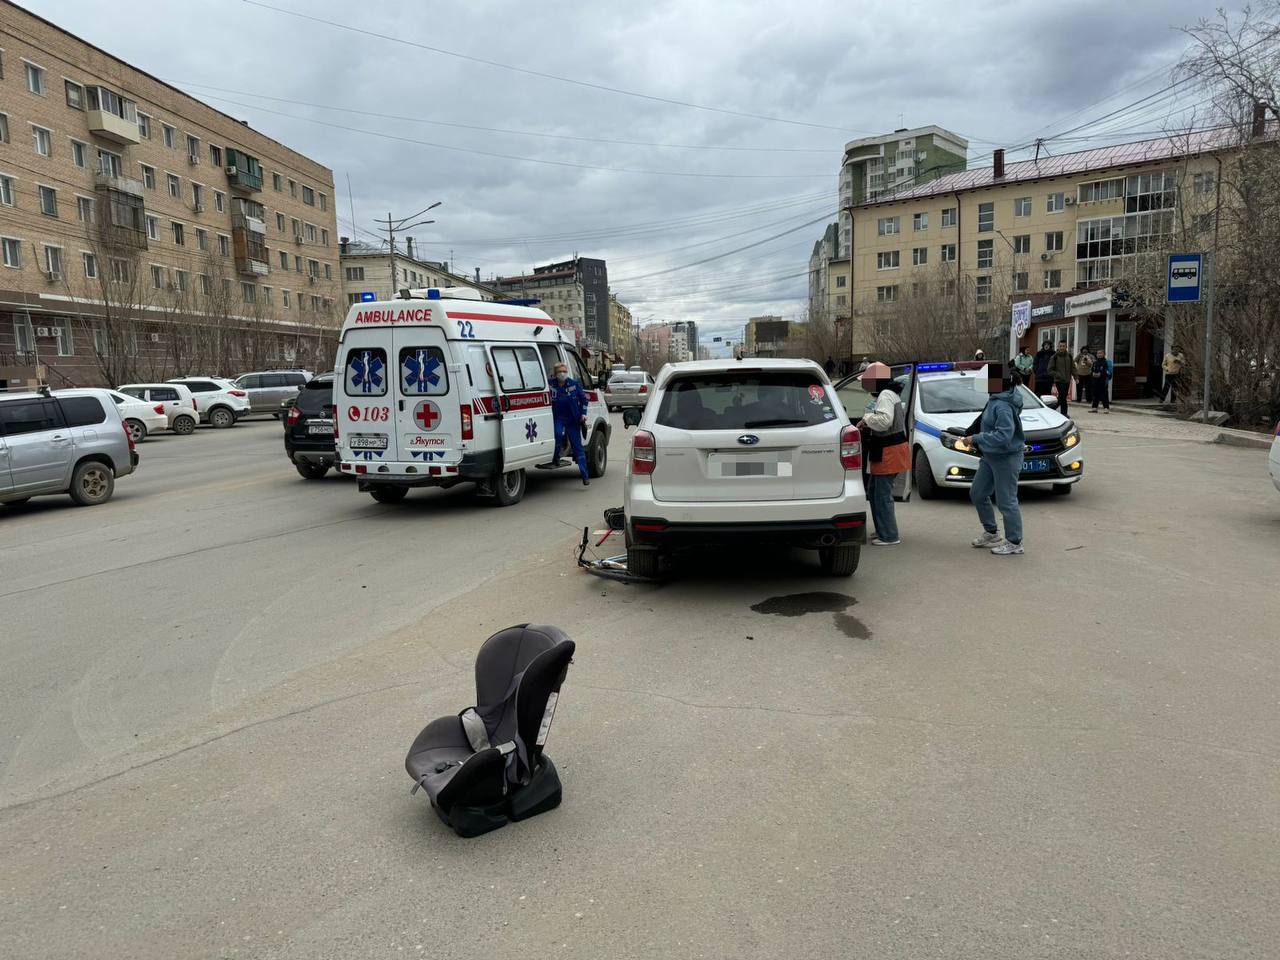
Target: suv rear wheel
221,418
840,561
311,471
597,456
184,425
92,483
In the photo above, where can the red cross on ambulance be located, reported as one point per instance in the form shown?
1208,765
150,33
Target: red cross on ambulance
426,415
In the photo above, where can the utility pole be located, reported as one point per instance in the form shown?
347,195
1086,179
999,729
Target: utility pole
391,225
1208,335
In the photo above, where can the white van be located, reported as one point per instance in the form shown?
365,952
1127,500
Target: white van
417,402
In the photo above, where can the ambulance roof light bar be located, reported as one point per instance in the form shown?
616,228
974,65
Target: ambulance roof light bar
442,293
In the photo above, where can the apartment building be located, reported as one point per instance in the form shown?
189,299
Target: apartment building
767,336
367,272
1054,232
574,292
143,232
622,337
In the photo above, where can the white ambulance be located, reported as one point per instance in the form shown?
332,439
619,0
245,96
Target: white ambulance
438,387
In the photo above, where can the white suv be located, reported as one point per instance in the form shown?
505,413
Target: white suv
220,402
174,399
744,451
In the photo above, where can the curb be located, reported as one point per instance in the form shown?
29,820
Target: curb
1235,440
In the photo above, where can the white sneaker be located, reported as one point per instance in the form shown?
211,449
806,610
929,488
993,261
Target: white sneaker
1007,549
877,542
987,540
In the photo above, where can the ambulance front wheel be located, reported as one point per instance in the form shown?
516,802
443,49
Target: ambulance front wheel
597,456
386,493
508,488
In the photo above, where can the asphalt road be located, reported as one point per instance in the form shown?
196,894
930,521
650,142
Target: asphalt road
209,684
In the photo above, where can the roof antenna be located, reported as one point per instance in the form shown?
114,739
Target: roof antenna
1039,144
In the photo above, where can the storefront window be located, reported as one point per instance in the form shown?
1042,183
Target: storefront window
1126,331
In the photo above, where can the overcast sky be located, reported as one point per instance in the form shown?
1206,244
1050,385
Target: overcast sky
1000,73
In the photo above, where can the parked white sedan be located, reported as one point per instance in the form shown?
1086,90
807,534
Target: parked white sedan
140,416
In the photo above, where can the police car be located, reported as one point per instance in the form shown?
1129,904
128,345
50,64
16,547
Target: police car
952,395
434,388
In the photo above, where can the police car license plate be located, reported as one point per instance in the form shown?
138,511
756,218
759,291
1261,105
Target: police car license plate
1037,465
367,443
320,427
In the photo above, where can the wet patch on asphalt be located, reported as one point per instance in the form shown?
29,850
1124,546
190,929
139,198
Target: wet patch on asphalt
819,601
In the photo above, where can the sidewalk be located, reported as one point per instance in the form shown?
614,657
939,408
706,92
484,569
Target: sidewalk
1147,426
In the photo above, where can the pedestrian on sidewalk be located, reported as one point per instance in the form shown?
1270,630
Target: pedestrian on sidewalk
979,354
1100,388
569,412
1173,365
1000,444
1084,373
1041,368
1025,364
1061,369
887,450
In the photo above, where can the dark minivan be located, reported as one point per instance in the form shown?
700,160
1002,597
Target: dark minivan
308,428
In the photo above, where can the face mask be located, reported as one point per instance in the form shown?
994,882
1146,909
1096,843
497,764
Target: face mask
562,376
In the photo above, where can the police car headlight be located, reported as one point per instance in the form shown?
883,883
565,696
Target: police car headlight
1071,439
959,444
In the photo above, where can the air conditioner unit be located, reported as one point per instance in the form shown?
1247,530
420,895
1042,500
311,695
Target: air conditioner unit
155,338
232,171
53,275
1046,256
311,279
193,160
297,238
198,207
1068,200
43,332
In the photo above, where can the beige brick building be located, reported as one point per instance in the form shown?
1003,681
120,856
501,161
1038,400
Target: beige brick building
366,268
144,233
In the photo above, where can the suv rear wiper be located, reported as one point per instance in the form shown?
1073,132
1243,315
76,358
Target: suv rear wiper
773,423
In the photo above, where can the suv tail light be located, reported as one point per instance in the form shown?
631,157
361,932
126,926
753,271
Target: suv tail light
293,416
158,408
129,436
237,393
644,388
644,452
194,405
468,430
851,448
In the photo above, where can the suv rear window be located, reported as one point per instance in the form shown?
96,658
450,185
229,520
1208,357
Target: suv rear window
201,386
82,411
745,400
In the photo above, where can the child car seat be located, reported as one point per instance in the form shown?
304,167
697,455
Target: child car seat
486,765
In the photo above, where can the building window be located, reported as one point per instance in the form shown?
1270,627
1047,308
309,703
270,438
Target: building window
4,128
1150,191
311,233
202,238
887,294
153,228
887,226
947,253
24,336
175,186
1098,190
1022,207
1022,243
887,260
919,256
297,228
110,164
35,79
266,296
308,196
42,139
193,149
284,298
1053,240
293,189
280,222
170,135
12,252
48,201
949,216
157,277
179,235
986,217
219,201
248,293
920,221
119,270
78,154
275,182
1056,202
297,263
197,197
355,273
90,265
215,155
148,177
328,272
226,286
6,191
182,280
324,237
982,289
1052,279
1021,282
324,202
313,268
84,209
224,245
1202,183
144,126
352,299
101,340
284,260
205,288
986,254
53,261
842,281
1201,222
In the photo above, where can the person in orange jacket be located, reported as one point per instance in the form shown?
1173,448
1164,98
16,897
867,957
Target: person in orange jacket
887,450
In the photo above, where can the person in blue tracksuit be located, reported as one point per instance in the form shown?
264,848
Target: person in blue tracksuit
569,408
1000,442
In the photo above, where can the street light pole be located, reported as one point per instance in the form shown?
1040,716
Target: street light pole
392,225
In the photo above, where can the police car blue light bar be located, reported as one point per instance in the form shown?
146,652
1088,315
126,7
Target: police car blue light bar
931,367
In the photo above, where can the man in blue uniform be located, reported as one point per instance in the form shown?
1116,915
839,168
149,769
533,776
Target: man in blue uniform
569,408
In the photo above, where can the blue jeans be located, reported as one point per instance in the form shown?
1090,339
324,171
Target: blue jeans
882,507
573,430
998,474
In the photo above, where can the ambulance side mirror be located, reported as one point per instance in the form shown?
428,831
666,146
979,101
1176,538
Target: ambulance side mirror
631,417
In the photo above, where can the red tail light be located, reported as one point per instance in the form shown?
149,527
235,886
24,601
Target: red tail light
468,431
129,436
644,388
194,405
237,393
294,416
159,408
851,448
644,452
335,426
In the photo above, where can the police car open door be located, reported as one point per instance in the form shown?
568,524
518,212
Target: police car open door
428,415
858,403
528,433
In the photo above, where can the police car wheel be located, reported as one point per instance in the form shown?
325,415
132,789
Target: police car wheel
597,456
386,493
509,488
925,483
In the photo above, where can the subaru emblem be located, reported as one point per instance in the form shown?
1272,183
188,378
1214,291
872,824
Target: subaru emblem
748,439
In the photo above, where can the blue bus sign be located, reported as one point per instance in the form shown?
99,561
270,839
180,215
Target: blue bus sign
368,297
1185,272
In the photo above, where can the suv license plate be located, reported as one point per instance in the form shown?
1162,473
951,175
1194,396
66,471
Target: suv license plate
320,427
367,443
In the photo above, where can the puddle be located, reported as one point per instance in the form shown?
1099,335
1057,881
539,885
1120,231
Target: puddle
798,604
852,627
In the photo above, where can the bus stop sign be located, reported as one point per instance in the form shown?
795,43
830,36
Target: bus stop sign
1185,271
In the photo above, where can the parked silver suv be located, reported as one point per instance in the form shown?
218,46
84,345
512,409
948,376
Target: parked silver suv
74,442
268,389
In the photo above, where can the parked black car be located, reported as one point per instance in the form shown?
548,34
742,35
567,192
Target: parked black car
308,428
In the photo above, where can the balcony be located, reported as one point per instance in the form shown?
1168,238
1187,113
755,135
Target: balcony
108,181
111,116
250,249
244,221
244,173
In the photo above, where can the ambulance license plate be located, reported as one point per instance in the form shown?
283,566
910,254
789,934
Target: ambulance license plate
367,443
320,427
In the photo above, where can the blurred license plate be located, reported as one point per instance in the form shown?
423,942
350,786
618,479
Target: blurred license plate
367,443
320,426
1036,465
